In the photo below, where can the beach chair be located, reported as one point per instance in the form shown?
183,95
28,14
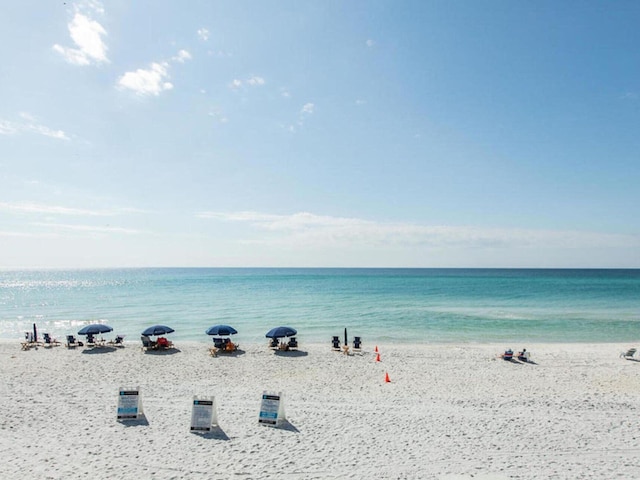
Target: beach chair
50,342
524,356
274,343
147,343
117,342
357,344
293,344
72,342
164,343
507,355
335,344
91,340
629,353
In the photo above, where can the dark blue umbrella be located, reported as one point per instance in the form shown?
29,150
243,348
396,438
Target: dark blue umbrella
94,329
158,330
280,332
220,330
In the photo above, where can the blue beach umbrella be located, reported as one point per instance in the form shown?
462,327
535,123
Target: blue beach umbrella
221,330
94,329
280,332
157,330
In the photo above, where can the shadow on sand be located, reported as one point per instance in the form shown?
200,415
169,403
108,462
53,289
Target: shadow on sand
94,350
141,421
216,433
291,353
166,351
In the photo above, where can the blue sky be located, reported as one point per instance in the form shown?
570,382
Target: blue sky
320,133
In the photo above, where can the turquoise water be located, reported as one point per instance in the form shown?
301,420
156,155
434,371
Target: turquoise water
381,305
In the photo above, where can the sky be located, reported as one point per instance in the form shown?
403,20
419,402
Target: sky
320,133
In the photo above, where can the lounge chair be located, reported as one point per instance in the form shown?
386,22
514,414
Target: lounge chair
50,342
164,343
507,355
293,344
524,356
91,341
274,343
148,344
335,344
118,342
629,353
357,344
72,342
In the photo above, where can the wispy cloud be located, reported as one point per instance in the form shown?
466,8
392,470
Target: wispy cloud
307,229
203,34
370,43
306,110
30,124
253,81
41,208
91,229
87,35
152,80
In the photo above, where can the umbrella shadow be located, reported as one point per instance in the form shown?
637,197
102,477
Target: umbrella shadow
216,433
141,421
235,353
94,350
168,351
291,353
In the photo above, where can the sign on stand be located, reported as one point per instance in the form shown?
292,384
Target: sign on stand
203,414
129,404
271,409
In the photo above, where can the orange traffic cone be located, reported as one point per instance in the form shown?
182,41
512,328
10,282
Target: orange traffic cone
378,358
376,349
386,377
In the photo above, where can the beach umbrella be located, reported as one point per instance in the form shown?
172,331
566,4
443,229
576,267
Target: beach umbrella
94,329
158,330
280,332
220,330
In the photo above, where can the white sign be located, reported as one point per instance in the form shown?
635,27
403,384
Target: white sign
129,404
203,414
271,409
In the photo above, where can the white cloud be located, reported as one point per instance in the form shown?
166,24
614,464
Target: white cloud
285,93
153,80
307,108
30,125
182,56
203,33
307,229
256,81
89,228
87,35
370,43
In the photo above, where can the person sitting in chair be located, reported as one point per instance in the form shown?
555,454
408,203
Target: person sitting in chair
163,342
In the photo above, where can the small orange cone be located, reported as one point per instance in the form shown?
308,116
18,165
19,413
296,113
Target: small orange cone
378,358
386,377
376,349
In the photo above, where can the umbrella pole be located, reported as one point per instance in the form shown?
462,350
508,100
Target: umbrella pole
346,342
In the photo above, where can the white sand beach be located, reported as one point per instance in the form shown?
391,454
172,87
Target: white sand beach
448,413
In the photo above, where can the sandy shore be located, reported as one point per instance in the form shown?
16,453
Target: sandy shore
448,413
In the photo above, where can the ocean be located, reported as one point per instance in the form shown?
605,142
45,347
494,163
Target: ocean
380,305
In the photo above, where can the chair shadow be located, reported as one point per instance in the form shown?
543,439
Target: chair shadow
632,359
216,433
141,421
94,350
291,353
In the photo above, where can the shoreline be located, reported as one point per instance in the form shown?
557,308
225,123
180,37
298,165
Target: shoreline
449,412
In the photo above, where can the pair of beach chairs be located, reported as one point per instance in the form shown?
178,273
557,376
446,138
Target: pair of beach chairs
523,356
224,345
160,344
357,344
276,344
